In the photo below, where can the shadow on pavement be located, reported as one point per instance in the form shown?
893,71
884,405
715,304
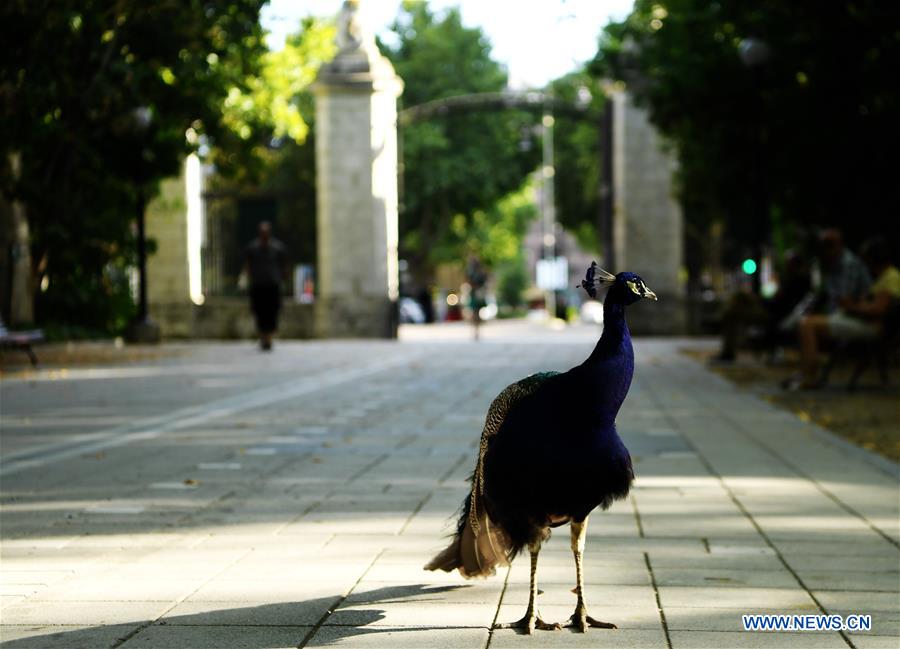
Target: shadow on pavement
266,626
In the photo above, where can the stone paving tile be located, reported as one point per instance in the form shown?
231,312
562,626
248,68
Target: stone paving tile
594,595
84,559
623,617
836,565
680,618
592,574
674,547
343,522
733,578
9,600
218,637
265,591
844,602
285,613
62,636
415,613
20,590
761,640
731,597
399,638
862,549
713,562
886,581
559,557
99,589
680,525
874,641
410,574
248,537
619,638
81,613
310,569
473,592
405,548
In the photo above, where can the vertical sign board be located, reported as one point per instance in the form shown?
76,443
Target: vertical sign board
553,274
304,283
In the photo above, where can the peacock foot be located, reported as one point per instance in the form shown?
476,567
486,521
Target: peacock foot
581,620
529,623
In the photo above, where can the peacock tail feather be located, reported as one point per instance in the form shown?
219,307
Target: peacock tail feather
490,548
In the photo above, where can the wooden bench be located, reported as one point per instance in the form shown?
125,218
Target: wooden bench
881,351
21,340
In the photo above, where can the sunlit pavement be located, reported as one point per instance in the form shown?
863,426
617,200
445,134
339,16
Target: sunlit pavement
228,498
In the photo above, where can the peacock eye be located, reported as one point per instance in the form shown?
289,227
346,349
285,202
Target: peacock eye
635,287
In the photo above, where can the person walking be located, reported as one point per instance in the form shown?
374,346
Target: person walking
477,277
266,268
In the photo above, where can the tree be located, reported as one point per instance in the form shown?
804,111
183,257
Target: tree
271,152
800,138
494,236
271,113
97,100
457,164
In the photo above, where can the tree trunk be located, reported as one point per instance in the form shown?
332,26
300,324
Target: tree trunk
22,289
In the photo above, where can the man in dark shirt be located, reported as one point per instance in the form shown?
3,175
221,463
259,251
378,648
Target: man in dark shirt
266,268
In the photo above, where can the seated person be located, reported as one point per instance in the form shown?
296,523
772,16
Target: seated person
745,309
857,318
843,274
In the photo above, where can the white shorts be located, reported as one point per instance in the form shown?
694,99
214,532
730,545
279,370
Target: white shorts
846,327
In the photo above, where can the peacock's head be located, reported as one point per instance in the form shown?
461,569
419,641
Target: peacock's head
624,288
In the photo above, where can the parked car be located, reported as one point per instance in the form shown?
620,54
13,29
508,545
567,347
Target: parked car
592,312
411,311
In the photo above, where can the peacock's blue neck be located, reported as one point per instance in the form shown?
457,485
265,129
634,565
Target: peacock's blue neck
610,366
616,338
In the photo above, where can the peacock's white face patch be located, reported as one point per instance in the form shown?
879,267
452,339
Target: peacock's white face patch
640,289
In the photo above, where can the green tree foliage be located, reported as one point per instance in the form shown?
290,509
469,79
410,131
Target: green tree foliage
271,148
272,112
493,235
97,99
802,137
458,165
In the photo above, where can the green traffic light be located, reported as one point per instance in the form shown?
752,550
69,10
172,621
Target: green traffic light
749,266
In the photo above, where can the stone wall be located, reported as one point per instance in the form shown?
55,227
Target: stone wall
647,222
168,287
227,318
167,266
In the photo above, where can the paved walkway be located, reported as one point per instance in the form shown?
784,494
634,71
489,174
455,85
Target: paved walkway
224,498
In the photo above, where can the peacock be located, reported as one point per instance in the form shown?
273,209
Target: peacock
549,455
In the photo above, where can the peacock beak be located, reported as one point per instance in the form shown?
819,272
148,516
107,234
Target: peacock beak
649,294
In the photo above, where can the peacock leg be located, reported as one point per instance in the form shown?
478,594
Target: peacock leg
531,620
580,619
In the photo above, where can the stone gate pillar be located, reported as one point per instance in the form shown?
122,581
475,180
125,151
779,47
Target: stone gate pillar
356,184
647,221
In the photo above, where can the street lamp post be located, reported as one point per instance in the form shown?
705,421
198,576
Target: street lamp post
606,185
142,329
140,209
755,54
548,202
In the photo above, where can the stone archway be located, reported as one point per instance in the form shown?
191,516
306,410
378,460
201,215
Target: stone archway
356,156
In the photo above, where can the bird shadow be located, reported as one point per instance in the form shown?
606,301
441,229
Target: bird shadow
310,622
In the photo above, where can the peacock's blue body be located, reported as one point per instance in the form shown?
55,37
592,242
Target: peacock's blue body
550,453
